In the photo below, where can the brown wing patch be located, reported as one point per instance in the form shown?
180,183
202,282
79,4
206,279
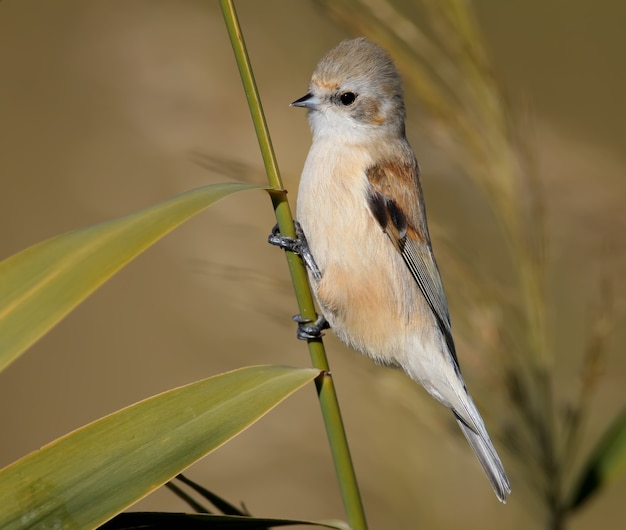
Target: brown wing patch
396,202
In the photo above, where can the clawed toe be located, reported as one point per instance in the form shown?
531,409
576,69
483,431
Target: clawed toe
284,242
297,245
308,329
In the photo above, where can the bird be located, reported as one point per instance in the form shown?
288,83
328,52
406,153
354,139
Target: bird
363,234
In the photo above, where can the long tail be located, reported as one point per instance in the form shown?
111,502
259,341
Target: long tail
445,383
485,451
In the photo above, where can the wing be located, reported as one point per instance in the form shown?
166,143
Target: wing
395,200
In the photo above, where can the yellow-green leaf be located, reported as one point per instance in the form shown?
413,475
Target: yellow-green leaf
43,283
83,479
605,465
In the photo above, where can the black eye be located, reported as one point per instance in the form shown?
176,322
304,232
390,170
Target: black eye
347,98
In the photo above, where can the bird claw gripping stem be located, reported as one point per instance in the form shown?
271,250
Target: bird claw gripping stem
297,245
309,329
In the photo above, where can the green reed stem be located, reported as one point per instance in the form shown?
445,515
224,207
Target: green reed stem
325,386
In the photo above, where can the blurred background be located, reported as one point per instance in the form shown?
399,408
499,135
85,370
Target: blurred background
107,107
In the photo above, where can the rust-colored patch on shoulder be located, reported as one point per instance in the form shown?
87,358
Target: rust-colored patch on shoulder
398,183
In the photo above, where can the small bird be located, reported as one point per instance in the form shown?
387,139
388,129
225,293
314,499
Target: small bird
367,247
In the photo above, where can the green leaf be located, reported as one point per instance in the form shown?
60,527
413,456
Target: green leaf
165,521
88,476
43,283
606,464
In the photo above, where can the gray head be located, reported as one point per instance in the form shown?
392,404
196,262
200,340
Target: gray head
355,90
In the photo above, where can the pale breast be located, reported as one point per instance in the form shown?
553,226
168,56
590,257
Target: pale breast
366,293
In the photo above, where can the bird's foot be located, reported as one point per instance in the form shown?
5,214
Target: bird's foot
297,245
309,329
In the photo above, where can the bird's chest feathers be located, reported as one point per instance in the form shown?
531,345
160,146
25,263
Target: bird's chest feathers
333,208
361,270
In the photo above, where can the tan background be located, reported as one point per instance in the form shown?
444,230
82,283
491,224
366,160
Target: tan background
102,107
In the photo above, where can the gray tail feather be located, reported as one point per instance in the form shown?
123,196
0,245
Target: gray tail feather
487,456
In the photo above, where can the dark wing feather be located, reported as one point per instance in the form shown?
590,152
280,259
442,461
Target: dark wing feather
395,200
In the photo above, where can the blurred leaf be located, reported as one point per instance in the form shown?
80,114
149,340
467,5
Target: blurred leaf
42,284
166,521
195,505
606,464
93,473
221,504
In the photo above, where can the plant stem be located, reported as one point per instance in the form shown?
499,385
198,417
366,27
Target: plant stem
325,386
